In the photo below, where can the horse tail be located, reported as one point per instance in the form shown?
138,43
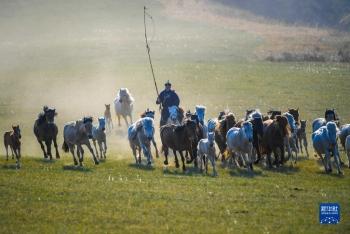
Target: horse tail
65,147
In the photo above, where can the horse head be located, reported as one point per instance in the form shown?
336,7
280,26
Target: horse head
247,129
303,124
330,115
190,127
200,112
49,114
211,139
173,113
124,96
102,123
148,127
17,131
148,113
108,107
87,126
295,113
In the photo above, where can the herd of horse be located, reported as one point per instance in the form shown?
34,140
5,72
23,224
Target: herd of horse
276,137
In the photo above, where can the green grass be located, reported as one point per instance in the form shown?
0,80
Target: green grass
117,196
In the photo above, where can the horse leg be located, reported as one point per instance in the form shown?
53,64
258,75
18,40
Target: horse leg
11,147
206,163
126,120
200,161
118,120
80,153
176,160
92,152
183,161
100,148
48,147
7,152
305,146
42,148
328,161
337,161
269,164
212,161
166,152
56,147
94,142
105,149
71,149
155,146
348,154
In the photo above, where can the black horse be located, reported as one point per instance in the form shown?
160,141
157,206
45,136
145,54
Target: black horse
46,131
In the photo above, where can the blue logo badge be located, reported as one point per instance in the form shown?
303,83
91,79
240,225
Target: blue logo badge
329,213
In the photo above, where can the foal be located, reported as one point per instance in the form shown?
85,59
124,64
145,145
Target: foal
108,117
12,139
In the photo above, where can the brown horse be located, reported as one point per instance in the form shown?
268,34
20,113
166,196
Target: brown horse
178,138
227,121
275,132
12,139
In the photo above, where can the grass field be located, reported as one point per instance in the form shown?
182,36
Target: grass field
81,54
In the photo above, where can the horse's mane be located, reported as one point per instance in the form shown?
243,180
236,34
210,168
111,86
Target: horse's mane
41,118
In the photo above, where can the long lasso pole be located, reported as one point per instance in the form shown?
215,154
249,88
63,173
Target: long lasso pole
148,52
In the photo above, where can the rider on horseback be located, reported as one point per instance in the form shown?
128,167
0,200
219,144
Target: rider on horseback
167,98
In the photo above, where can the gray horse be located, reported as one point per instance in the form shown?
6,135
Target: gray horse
78,133
99,135
240,142
324,141
140,135
46,131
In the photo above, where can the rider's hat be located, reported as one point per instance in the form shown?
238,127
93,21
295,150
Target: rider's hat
167,83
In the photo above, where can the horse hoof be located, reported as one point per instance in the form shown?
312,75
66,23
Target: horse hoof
177,165
58,157
166,162
97,162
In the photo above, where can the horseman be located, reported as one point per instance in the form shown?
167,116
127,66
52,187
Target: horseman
167,98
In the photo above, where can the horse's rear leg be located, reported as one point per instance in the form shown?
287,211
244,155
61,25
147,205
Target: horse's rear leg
305,146
155,146
183,161
7,152
80,154
166,153
56,148
177,165
11,147
101,149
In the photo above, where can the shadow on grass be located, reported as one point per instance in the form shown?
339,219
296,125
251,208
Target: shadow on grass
10,167
190,171
76,168
287,168
243,172
142,167
45,160
332,174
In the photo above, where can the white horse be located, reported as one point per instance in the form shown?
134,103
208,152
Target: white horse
200,112
325,141
140,136
239,141
206,150
99,135
123,105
